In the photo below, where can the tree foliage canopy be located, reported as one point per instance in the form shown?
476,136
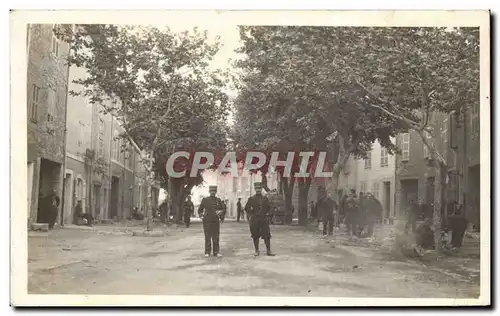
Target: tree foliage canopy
164,93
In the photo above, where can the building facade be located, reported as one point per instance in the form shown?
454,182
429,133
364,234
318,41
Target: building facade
103,170
47,89
456,137
375,174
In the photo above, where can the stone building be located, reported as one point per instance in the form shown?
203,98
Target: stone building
457,140
47,89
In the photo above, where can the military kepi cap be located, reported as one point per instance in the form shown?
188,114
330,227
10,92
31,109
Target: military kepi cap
258,185
212,188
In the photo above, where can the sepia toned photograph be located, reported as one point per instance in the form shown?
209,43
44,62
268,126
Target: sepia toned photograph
246,158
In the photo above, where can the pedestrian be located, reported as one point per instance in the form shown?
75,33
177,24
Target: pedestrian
374,213
458,225
343,208
314,214
188,211
210,211
362,214
224,210
53,208
239,210
352,213
412,213
258,209
326,208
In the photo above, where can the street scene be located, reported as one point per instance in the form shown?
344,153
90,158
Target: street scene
109,259
280,160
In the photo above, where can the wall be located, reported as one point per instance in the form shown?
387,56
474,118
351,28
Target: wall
46,125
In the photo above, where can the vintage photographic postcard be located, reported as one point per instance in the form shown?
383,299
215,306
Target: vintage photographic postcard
250,158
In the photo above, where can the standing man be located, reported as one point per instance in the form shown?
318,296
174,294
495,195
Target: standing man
188,211
210,211
258,209
239,210
374,213
326,208
352,213
412,213
53,204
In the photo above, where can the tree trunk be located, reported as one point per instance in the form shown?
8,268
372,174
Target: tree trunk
149,200
304,186
288,190
439,189
440,169
333,184
264,182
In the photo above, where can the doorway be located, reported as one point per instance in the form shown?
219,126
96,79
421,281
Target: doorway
48,183
409,191
429,191
387,199
97,201
67,214
113,202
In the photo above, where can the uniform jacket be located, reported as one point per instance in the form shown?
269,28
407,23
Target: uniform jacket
188,208
209,207
258,206
326,208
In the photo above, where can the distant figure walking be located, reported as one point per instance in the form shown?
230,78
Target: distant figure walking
188,211
239,210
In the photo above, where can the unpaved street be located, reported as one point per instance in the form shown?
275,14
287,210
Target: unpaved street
78,261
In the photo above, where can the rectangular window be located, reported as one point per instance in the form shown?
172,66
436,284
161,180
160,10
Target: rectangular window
33,111
55,42
375,189
368,161
384,158
51,104
427,136
81,126
405,146
362,187
475,120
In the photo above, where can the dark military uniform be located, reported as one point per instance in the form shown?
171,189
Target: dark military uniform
188,212
210,210
239,211
326,208
258,209
352,214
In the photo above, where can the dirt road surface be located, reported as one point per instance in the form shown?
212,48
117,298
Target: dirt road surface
79,261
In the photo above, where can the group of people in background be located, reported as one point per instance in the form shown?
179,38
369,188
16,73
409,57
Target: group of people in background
453,221
358,214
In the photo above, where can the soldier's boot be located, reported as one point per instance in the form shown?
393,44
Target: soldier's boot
256,246
268,246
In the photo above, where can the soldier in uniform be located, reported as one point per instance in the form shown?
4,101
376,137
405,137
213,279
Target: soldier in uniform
258,209
239,210
188,211
326,208
210,211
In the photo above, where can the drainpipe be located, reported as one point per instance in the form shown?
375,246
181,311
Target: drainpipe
109,168
464,166
63,193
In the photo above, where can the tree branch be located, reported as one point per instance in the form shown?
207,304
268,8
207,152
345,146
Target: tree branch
411,123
